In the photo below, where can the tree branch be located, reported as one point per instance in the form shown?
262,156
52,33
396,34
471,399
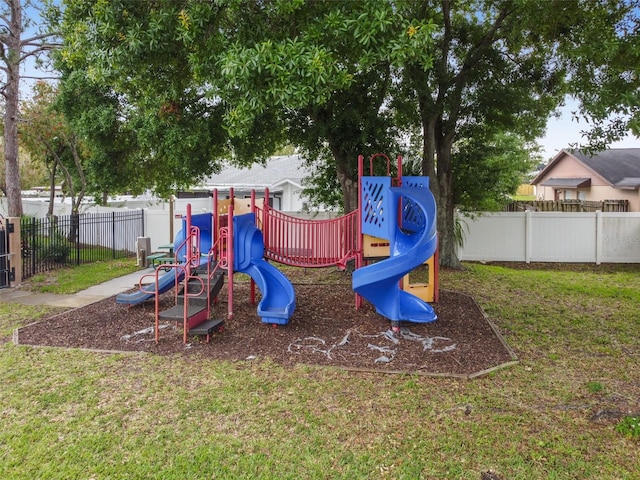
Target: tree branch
35,38
38,51
28,77
474,55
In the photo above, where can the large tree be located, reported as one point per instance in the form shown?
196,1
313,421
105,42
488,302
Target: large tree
314,74
15,50
604,70
503,64
328,67
331,75
95,114
141,55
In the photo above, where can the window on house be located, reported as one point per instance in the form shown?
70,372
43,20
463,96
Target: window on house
582,195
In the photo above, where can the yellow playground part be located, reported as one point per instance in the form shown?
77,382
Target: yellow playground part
240,205
376,248
426,291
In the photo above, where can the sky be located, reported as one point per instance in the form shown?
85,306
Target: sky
563,131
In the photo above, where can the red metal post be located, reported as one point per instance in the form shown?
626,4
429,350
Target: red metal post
157,306
358,220
252,283
187,273
436,272
215,234
230,254
266,234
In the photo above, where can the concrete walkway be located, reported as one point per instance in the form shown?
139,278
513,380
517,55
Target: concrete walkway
75,300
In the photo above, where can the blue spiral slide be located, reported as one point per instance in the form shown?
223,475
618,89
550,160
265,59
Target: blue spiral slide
278,297
413,240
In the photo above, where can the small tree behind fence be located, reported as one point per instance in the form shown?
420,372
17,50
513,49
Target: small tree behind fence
568,206
59,241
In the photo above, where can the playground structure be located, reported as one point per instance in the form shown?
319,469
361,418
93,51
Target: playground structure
392,232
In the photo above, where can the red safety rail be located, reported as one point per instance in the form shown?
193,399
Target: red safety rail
308,243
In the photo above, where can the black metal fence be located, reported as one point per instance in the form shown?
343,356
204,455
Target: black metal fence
59,241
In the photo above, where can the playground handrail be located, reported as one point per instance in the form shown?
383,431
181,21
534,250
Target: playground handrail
308,243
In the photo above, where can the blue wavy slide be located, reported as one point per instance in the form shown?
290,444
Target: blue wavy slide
165,283
278,297
410,246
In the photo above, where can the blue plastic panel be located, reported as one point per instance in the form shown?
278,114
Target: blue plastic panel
376,214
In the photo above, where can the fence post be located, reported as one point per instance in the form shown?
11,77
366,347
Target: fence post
113,235
76,224
527,236
12,250
33,245
598,236
172,201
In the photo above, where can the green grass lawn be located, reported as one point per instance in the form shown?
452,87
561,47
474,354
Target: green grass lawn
566,411
80,277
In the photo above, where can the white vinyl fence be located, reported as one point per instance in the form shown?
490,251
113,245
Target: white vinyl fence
552,237
581,237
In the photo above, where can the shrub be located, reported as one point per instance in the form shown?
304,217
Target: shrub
56,250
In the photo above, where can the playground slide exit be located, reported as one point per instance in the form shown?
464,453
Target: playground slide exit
410,246
278,297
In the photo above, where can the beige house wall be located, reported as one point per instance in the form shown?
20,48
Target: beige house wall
593,194
569,167
608,193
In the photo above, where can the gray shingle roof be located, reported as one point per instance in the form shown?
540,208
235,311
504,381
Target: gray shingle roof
620,167
614,165
276,170
567,182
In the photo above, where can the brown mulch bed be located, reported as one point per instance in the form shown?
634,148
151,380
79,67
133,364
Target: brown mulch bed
325,329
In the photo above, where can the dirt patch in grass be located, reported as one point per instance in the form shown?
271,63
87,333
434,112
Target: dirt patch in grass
325,329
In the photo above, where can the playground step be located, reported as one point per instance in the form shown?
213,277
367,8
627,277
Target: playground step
194,286
176,313
207,328
202,269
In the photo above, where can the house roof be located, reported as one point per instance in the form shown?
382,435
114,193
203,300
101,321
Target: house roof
276,172
567,182
620,167
614,164
629,183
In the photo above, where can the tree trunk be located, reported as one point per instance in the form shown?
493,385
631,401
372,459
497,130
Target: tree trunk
52,187
436,162
446,219
347,183
11,96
